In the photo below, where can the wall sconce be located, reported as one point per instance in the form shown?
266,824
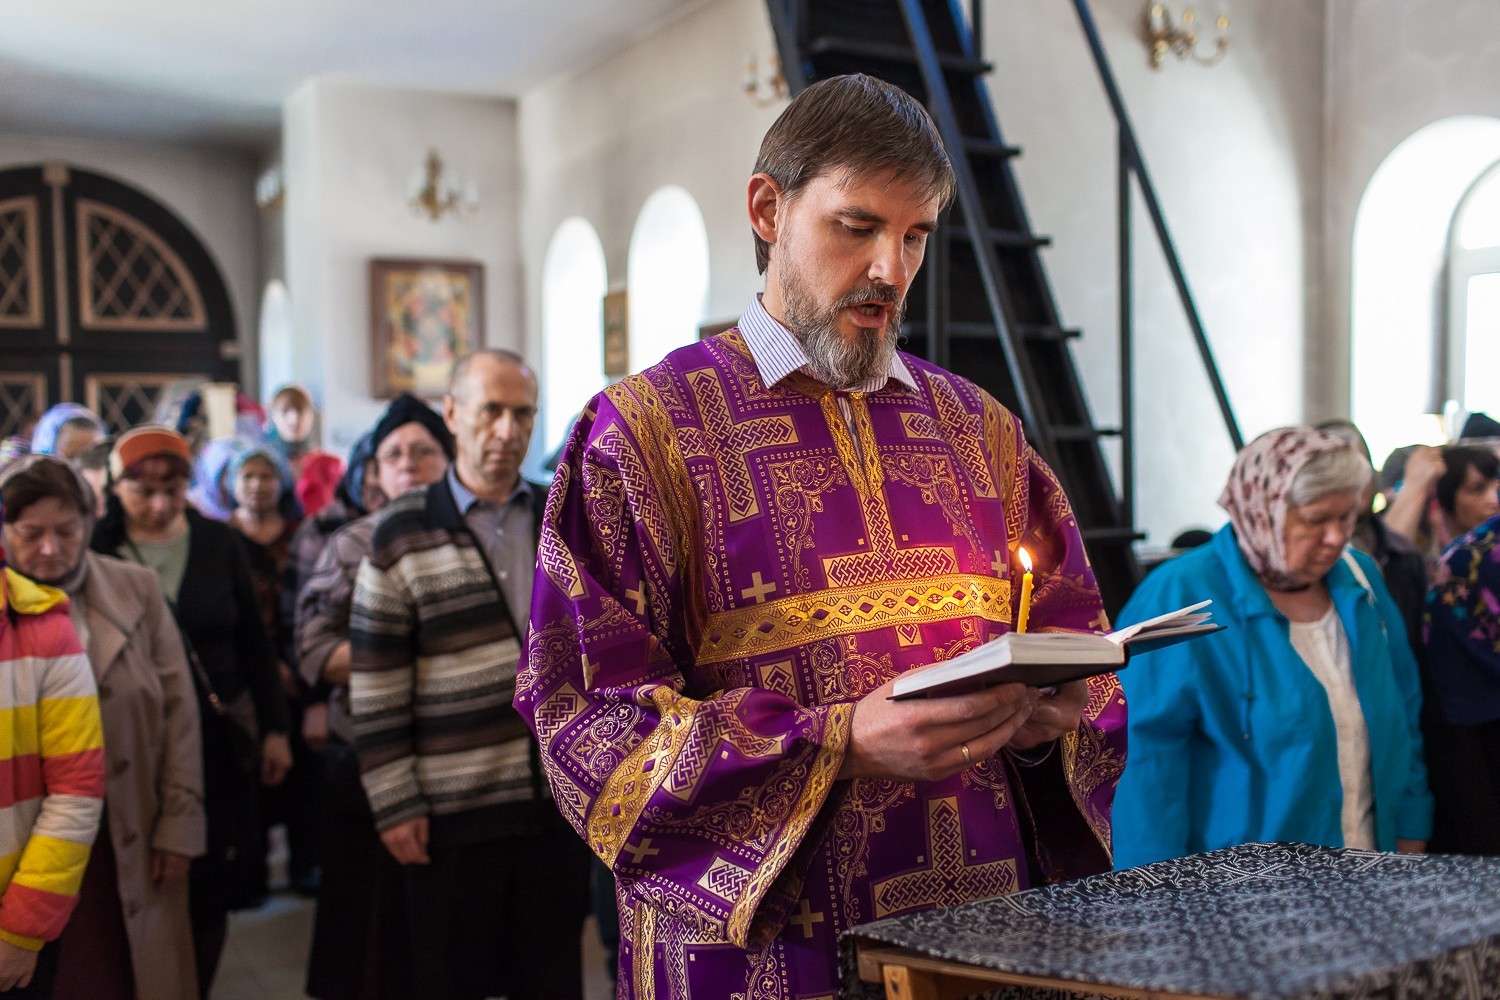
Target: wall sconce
432,194
770,90
1181,38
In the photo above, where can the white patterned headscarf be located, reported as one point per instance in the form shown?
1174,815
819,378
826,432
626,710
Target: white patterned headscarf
1257,491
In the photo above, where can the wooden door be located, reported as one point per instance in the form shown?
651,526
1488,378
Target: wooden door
106,298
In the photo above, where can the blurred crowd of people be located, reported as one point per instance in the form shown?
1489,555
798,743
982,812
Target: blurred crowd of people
210,582
222,591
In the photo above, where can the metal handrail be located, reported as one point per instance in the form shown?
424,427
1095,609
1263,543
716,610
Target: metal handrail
1132,163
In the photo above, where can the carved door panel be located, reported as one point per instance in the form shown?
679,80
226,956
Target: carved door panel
106,298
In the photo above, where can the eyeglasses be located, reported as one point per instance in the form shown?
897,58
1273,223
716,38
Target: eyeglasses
417,453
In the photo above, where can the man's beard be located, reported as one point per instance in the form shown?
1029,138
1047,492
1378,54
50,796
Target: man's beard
831,358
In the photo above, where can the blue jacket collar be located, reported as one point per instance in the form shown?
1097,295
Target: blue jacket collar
1250,596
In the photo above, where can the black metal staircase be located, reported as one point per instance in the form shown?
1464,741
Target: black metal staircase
983,284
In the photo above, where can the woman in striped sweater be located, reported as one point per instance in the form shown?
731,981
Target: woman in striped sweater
54,793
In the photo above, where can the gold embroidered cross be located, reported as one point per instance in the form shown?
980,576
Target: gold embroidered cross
760,591
998,564
639,597
948,878
805,918
644,851
1101,622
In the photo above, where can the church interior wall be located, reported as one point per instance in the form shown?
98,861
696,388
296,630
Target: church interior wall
348,155
1394,68
1260,162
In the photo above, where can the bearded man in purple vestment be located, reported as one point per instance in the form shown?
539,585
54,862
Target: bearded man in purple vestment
747,542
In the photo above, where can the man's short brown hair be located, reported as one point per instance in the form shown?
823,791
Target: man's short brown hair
857,124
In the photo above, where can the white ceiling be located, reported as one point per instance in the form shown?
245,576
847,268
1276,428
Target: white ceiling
218,71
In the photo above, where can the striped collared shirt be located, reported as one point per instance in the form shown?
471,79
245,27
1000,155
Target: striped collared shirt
778,353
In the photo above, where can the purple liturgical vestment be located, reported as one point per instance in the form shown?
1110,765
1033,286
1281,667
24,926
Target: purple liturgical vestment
722,575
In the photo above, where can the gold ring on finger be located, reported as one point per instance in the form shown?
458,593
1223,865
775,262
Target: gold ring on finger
968,760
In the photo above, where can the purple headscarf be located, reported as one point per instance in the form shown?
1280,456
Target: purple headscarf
1256,495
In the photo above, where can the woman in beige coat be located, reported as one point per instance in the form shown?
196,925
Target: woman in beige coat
130,936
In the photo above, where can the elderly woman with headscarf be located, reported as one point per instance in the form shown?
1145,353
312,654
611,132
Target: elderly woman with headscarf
1300,721
130,936
359,936
204,574
266,514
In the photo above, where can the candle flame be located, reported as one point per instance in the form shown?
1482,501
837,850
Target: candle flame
1025,558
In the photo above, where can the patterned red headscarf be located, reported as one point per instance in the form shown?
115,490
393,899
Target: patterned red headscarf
1256,495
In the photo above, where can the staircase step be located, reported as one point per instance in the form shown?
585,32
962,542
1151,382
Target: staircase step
1039,332
842,45
1043,332
1082,432
1111,535
991,147
1003,239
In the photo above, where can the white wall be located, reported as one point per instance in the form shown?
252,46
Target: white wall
348,154
1235,154
669,110
1395,66
210,190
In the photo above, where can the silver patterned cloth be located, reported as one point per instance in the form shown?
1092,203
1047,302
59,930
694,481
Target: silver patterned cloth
1259,921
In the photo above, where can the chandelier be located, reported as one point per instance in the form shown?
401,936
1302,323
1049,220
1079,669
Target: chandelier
1181,37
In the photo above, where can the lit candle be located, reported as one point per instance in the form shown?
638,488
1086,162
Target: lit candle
1025,590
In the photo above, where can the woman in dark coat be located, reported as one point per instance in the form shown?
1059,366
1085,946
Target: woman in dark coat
202,567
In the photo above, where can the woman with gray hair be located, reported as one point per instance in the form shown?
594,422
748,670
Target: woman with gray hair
1299,722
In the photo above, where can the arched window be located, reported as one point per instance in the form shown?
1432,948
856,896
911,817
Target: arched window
1473,340
1401,235
668,279
277,344
573,286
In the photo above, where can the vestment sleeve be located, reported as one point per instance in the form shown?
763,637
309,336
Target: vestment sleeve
181,826
1153,807
382,675
69,741
700,801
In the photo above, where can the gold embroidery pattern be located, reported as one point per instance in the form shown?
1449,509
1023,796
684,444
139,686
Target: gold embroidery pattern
631,784
812,790
556,558
798,488
966,432
663,473
724,879
1089,763
844,443
722,726
946,879
792,621
729,443
933,475
647,508
857,673
865,808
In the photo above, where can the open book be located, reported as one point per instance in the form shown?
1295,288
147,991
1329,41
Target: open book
1039,659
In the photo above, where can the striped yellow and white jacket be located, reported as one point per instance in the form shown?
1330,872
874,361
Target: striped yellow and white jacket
51,762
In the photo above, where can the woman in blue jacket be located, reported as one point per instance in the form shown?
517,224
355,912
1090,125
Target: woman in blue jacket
1299,722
